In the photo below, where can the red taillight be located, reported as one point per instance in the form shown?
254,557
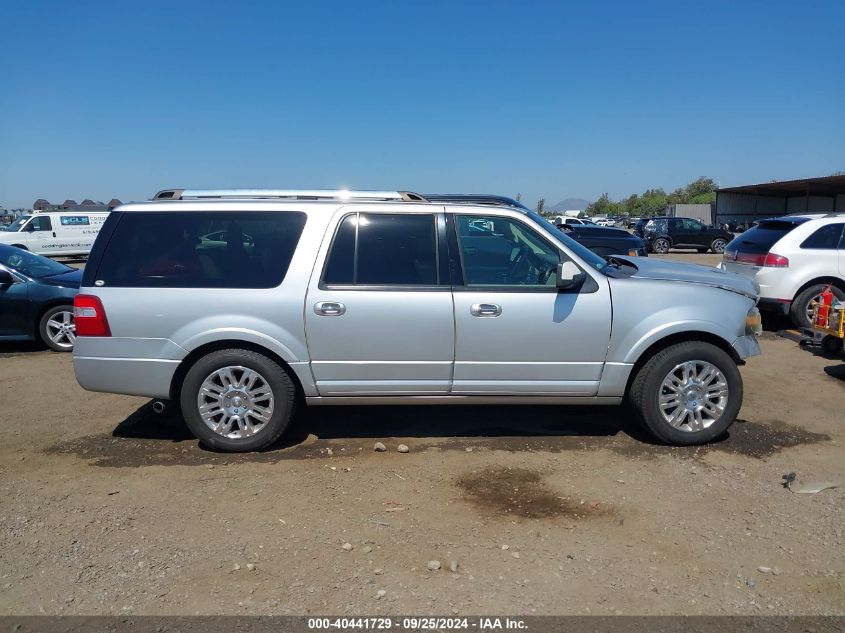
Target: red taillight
89,316
769,260
775,261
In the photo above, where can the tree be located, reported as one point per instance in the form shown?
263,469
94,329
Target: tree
541,204
655,201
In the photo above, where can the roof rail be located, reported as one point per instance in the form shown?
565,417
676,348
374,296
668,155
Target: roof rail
287,194
475,198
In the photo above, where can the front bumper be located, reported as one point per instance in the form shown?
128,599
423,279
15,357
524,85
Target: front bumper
746,346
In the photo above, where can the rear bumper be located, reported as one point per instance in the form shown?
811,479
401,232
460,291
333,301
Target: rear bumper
131,376
774,305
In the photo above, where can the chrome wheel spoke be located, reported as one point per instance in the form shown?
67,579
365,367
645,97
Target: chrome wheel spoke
235,402
693,395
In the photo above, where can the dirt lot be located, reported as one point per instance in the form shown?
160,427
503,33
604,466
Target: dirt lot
107,508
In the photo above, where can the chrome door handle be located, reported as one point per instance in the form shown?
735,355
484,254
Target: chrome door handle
329,308
485,310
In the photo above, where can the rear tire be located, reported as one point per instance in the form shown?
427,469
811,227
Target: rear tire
56,328
661,245
648,391
718,245
247,400
800,310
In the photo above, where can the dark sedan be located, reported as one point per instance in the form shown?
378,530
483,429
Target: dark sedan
36,299
605,241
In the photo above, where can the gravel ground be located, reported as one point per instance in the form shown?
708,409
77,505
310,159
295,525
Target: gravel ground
107,508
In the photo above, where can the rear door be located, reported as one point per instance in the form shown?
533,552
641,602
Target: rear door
378,315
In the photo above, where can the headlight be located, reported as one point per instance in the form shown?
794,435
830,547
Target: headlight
633,252
754,322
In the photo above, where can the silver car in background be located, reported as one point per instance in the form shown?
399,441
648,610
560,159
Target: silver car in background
240,304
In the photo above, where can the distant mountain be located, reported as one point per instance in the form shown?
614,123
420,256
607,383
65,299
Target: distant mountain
570,203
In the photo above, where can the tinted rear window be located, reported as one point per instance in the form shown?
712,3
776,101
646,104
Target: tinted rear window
761,238
391,249
218,249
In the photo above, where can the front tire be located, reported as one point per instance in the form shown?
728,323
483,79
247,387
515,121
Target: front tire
686,394
57,330
237,400
801,309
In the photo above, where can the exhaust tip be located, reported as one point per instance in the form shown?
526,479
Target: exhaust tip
159,406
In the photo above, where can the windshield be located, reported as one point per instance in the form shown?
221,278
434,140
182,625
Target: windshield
580,250
29,264
17,224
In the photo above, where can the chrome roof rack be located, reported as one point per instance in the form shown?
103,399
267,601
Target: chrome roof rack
287,194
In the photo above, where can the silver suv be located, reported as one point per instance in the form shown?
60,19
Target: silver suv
239,304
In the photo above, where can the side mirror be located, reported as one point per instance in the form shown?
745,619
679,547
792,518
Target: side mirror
569,276
6,278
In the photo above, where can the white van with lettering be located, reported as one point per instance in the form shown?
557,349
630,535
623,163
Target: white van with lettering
55,232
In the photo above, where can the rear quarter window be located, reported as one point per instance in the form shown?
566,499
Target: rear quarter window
826,237
209,249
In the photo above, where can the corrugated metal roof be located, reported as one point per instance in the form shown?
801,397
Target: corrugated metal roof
825,186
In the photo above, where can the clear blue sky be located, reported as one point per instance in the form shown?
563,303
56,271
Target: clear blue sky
550,99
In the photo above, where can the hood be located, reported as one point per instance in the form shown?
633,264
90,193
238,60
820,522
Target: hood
70,279
653,268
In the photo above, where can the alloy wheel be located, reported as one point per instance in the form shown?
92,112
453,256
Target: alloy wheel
62,330
693,395
235,402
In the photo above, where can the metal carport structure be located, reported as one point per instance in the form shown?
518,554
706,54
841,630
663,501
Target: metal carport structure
743,205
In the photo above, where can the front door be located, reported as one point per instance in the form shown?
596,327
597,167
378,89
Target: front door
514,332
14,309
42,238
378,313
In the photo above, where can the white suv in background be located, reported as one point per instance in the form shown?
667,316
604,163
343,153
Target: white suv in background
793,258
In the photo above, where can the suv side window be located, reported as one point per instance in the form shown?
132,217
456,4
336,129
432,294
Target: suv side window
692,225
504,252
674,224
200,249
826,237
384,249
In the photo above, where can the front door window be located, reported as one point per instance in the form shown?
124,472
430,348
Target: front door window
501,252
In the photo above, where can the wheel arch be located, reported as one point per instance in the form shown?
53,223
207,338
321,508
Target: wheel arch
20,246
42,310
203,350
680,337
833,281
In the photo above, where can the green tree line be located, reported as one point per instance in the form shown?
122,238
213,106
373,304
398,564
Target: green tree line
655,201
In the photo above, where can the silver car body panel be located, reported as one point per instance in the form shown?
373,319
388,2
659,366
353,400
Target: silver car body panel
397,345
